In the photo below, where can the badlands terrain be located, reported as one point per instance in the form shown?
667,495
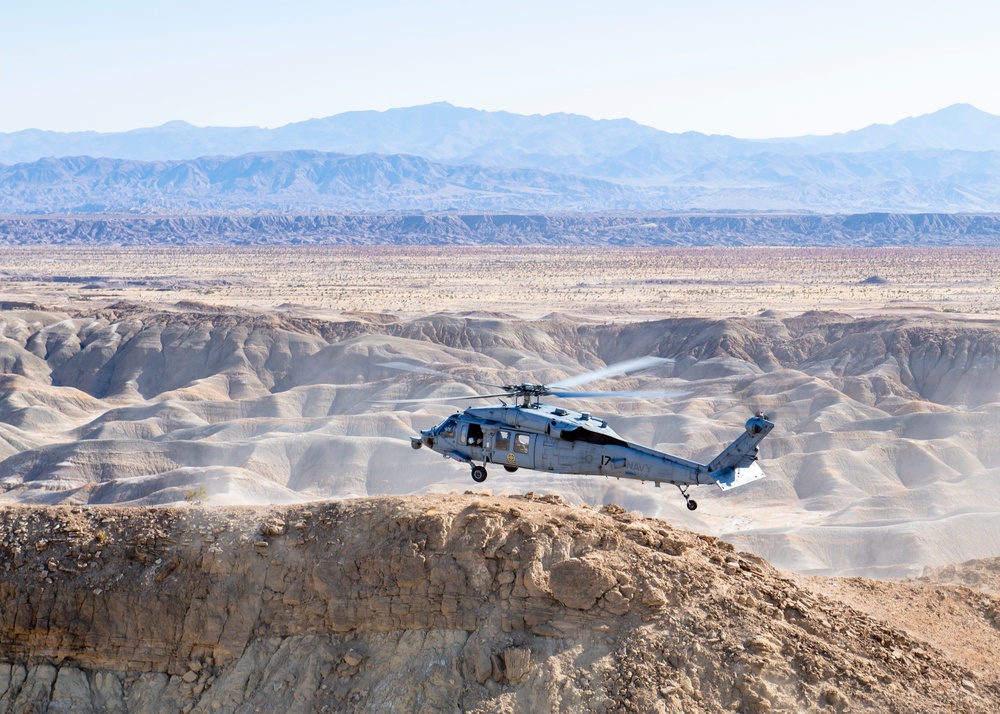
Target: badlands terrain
201,422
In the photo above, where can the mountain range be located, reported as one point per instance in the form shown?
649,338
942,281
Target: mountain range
439,157
450,134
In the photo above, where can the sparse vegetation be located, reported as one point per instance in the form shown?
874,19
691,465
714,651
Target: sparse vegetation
196,495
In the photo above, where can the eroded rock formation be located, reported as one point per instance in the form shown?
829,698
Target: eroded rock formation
444,603
884,430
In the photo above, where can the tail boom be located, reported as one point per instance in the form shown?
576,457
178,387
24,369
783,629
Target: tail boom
737,464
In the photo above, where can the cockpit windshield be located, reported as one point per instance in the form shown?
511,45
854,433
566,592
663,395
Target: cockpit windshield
447,429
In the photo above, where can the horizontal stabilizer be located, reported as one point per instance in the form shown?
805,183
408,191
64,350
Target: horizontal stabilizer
731,478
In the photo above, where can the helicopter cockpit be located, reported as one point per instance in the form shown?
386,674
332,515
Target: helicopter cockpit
446,429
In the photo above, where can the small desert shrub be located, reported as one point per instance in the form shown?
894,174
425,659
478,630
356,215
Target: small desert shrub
196,495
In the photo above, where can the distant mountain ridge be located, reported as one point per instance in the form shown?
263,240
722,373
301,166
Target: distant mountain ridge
294,181
440,157
443,132
313,181
960,127
440,132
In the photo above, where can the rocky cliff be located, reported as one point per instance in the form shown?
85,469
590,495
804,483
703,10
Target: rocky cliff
436,603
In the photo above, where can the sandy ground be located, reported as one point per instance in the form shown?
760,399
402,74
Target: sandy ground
619,283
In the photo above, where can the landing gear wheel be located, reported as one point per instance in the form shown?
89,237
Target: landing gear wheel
691,503
478,474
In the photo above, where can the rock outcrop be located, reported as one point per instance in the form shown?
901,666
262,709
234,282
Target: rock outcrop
438,603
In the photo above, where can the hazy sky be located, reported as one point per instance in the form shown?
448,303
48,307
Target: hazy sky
750,69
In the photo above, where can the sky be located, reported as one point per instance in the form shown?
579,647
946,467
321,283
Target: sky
759,69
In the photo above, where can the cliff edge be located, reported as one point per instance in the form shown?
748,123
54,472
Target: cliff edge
445,603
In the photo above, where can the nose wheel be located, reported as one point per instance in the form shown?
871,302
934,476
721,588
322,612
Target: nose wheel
691,503
478,474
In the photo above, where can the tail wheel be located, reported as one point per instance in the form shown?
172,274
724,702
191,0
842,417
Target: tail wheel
691,503
478,474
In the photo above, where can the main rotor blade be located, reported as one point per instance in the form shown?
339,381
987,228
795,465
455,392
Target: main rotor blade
602,395
420,369
435,399
612,370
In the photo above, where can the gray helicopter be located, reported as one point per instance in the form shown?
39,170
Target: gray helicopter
532,435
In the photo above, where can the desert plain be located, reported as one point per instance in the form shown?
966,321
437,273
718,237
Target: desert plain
625,283
225,377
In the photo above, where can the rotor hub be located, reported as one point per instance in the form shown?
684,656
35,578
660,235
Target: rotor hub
526,392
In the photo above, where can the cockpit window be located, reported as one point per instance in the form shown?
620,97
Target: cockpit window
448,428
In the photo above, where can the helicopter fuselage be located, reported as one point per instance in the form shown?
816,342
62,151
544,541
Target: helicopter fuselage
553,439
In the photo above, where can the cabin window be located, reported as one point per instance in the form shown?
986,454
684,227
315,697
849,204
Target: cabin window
502,442
521,442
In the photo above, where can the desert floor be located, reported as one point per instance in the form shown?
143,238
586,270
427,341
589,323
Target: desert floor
612,282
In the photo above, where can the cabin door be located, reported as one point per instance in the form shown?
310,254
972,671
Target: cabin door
514,448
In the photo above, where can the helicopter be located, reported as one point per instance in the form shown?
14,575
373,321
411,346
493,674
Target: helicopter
531,435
